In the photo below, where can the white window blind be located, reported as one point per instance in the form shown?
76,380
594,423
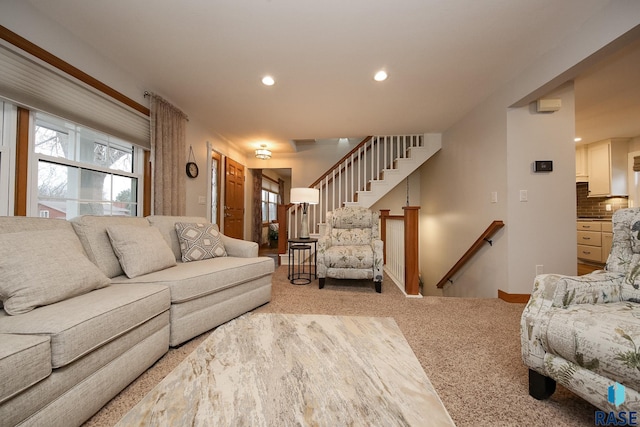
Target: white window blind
33,85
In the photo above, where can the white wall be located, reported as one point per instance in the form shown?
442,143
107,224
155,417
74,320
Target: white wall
541,231
308,163
456,186
396,199
487,150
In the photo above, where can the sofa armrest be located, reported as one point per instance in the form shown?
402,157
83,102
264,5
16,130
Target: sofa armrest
239,248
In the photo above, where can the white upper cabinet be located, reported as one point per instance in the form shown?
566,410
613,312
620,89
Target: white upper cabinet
582,167
608,167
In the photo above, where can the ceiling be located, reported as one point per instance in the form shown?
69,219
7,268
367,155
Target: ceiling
443,58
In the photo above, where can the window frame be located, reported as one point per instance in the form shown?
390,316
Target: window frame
74,130
8,133
270,186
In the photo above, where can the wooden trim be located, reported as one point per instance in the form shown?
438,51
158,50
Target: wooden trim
384,214
69,69
514,298
484,238
411,247
146,208
22,163
282,229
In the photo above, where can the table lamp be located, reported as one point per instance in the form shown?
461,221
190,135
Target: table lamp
306,197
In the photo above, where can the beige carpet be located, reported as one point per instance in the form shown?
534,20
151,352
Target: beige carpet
469,349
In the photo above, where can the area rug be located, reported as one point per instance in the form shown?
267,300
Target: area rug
286,369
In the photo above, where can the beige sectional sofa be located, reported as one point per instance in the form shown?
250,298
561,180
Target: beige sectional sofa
84,313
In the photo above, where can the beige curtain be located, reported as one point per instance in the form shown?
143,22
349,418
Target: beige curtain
168,157
256,228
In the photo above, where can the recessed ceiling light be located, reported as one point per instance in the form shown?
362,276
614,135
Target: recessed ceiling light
577,139
268,81
380,76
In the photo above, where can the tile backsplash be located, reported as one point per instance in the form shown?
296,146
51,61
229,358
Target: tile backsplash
597,206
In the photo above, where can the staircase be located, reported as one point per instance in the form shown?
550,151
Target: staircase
367,173
401,168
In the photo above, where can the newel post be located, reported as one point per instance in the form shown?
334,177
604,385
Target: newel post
384,214
282,229
411,267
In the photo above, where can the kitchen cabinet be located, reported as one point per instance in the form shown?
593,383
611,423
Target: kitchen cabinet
607,170
594,241
582,166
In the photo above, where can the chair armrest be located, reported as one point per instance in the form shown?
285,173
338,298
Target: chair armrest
240,248
378,259
556,290
324,243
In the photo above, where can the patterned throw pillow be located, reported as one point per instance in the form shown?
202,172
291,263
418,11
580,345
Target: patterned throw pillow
199,241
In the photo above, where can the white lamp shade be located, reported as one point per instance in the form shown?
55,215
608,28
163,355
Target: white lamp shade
305,195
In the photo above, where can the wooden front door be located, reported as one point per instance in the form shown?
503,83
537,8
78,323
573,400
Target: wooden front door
234,199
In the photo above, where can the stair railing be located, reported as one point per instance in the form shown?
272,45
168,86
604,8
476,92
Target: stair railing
366,162
484,238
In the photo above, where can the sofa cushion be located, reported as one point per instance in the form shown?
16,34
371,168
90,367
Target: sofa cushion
199,241
355,257
191,280
79,325
24,361
35,267
167,226
92,231
603,338
140,250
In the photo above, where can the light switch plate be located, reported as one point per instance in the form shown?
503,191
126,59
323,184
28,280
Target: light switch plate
524,196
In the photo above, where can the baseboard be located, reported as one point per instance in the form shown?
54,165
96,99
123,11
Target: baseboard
515,298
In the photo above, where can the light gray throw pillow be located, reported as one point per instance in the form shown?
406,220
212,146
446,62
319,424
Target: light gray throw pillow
199,241
140,250
44,267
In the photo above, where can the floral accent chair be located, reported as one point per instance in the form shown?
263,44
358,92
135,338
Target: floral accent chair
351,247
584,331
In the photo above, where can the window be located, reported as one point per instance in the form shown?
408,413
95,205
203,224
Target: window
270,198
80,171
269,206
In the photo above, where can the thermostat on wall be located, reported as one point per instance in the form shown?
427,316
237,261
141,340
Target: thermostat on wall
543,166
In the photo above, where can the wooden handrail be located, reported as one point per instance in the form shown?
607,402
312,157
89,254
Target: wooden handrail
484,238
339,162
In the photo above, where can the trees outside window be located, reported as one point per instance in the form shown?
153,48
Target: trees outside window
81,171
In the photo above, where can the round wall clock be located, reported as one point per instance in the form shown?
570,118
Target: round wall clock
192,170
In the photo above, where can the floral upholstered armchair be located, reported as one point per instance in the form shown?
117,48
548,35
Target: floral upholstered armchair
584,331
351,247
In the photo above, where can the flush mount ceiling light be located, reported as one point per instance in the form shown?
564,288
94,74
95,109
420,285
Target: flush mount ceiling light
262,153
268,81
380,76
